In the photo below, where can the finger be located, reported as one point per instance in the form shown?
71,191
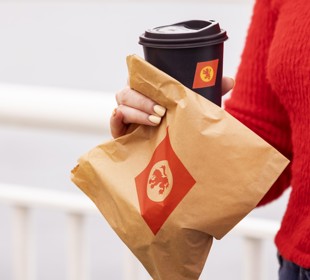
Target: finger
132,115
117,126
227,84
134,99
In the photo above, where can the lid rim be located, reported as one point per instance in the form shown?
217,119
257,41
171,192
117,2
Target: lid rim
183,46
172,44
222,35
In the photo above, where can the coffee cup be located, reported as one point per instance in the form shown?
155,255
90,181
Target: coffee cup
191,52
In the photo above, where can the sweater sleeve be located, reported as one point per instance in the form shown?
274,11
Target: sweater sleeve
252,101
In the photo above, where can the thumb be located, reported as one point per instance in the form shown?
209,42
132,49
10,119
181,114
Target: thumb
227,84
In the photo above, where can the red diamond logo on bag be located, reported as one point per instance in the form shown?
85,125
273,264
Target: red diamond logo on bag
162,185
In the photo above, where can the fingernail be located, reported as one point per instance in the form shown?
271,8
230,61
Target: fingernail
159,110
154,119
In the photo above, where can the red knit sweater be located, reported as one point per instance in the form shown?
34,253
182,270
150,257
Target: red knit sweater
272,97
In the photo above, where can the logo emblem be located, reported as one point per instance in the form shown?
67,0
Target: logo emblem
205,74
162,185
160,181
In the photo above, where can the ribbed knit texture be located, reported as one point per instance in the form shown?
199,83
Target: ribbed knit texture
272,97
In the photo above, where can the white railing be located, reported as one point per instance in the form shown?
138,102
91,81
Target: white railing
23,199
87,112
71,110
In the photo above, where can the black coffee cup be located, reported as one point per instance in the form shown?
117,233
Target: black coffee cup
191,52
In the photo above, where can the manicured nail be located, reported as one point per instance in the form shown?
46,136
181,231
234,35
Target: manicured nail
154,119
159,110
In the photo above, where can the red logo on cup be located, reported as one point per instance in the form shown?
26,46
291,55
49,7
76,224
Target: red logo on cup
162,185
205,75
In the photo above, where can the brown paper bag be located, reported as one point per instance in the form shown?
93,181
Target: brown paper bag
168,190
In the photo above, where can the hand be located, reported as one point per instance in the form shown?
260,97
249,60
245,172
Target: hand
133,107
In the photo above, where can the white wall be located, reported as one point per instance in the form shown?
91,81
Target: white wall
84,45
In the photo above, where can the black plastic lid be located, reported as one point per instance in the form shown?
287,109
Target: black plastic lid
186,34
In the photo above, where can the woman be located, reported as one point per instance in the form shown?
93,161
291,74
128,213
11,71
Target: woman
271,97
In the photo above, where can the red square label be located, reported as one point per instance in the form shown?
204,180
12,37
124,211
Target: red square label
205,74
162,185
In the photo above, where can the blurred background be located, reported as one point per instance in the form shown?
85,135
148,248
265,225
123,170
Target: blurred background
70,55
